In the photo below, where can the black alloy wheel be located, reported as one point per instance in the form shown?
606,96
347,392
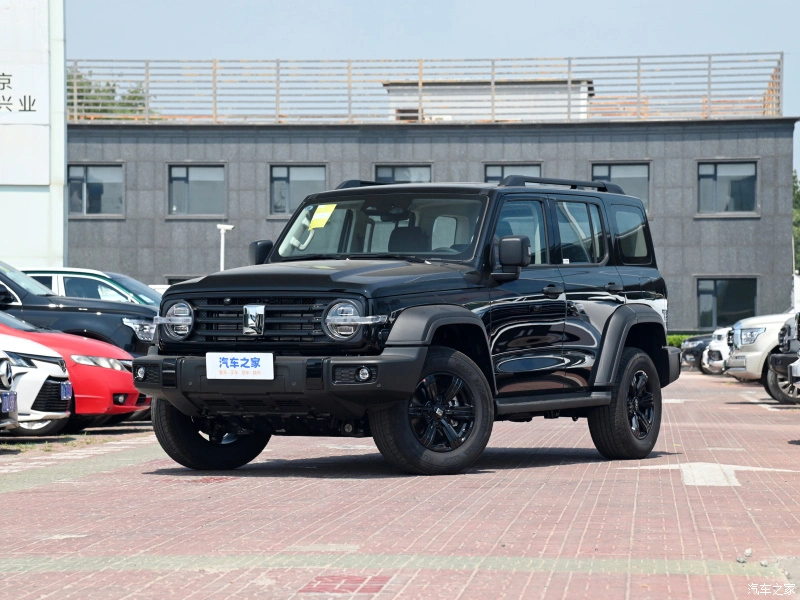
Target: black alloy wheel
446,423
641,409
442,412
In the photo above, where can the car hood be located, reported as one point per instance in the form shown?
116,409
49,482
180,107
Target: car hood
371,278
13,343
67,344
763,321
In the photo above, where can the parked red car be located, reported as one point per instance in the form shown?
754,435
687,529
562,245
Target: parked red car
100,373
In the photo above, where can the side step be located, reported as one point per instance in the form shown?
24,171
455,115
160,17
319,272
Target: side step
509,405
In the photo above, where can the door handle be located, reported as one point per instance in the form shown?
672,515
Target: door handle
614,287
552,291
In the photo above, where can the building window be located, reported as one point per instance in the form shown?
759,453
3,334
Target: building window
726,187
633,179
288,186
197,190
403,174
722,302
95,190
496,173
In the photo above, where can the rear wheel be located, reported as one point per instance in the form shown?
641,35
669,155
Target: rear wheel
445,425
781,389
183,440
628,427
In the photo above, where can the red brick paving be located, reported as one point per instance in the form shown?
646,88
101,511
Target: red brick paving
324,517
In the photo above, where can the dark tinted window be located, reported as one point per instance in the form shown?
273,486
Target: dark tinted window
524,217
44,280
722,302
630,228
581,239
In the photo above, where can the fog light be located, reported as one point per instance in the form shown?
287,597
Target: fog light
140,374
119,398
363,374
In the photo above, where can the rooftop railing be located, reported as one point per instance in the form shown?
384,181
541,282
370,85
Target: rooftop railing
713,86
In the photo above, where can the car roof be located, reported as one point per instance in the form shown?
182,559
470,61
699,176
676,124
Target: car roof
61,270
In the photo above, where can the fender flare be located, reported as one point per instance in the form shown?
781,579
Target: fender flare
614,336
416,325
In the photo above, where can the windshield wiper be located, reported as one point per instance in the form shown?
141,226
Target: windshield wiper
379,255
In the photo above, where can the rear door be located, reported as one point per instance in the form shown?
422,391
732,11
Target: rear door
593,285
527,314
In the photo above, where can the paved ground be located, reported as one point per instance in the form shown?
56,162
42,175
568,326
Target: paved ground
543,516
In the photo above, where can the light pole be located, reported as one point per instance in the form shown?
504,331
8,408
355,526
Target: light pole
222,229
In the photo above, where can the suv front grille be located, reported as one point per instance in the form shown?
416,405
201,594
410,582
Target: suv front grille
49,398
288,319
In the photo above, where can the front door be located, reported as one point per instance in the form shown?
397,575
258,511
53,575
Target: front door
527,314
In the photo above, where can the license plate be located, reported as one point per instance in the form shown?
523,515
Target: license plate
66,390
8,402
239,365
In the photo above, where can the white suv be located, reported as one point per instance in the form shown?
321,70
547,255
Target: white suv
754,339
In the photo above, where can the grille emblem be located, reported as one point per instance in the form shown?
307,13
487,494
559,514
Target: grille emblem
253,320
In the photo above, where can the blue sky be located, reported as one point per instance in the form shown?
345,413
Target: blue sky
319,29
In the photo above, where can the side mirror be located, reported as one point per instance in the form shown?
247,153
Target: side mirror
6,297
259,251
515,253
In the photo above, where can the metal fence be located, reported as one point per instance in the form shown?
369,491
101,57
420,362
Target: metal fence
426,91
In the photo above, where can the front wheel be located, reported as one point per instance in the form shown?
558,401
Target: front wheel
39,428
445,425
781,389
628,427
182,439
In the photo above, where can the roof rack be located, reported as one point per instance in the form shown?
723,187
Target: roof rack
600,186
354,183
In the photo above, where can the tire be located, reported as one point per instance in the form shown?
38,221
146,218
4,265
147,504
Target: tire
181,439
417,437
39,428
781,390
117,419
77,423
619,430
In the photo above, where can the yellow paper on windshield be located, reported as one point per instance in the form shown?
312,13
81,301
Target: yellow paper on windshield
321,215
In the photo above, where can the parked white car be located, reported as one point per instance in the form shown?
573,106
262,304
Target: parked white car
717,352
8,397
40,379
754,339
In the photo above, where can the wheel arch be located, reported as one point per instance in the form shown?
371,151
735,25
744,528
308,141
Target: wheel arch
446,325
636,326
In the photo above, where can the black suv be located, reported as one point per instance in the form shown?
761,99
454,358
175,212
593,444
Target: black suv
129,326
419,315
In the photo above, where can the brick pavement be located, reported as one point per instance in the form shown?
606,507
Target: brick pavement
542,515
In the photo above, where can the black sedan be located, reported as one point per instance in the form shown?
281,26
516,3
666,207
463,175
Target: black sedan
692,350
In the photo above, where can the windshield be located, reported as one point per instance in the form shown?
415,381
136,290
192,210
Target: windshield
428,227
29,284
14,323
142,292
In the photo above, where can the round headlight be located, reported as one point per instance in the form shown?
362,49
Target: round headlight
180,311
337,320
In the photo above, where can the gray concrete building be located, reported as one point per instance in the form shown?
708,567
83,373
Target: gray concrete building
145,196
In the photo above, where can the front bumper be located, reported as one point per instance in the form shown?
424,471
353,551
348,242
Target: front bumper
745,365
779,363
673,363
302,385
8,423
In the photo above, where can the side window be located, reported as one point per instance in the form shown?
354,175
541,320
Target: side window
45,280
524,217
598,239
629,225
82,287
578,245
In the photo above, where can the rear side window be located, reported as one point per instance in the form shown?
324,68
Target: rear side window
581,233
630,226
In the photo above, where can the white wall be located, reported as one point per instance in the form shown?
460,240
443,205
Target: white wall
32,132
